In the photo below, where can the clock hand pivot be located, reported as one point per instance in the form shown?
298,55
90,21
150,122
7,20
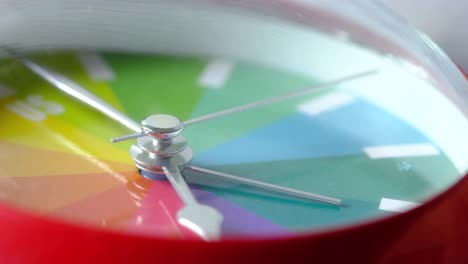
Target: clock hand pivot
159,145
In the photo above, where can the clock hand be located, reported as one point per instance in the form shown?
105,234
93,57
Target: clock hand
80,93
279,98
202,219
268,186
75,90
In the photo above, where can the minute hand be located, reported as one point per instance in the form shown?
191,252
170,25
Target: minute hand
280,98
75,90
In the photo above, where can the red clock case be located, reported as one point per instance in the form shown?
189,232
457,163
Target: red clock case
436,232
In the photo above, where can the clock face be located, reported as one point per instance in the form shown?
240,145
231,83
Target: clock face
381,143
362,143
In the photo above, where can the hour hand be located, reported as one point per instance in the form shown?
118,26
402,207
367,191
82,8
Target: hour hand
269,186
201,219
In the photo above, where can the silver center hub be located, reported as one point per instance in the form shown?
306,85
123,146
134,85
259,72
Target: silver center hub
162,126
164,146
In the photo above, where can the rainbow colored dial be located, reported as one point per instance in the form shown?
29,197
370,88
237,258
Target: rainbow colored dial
352,143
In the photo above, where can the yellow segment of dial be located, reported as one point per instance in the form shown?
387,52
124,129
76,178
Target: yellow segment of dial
21,161
56,135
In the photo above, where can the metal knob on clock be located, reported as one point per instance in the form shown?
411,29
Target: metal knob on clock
150,162
162,126
163,147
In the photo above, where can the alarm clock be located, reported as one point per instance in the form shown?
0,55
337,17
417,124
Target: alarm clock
228,131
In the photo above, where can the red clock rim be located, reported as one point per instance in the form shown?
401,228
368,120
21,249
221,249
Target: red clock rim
23,232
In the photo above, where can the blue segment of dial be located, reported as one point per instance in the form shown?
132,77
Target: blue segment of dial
343,131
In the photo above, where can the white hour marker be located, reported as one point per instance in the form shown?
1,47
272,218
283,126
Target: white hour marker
216,74
96,66
393,205
49,107
325,103
34,108
27,111
408,150
6,91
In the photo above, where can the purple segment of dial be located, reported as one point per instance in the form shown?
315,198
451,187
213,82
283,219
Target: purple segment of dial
239,221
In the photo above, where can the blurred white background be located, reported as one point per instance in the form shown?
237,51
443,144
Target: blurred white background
445,21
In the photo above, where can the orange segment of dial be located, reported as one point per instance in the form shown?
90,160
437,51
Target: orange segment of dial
142,206
21,161
48,193
113,208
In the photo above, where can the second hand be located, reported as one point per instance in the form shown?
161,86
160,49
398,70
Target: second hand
263,102
280,98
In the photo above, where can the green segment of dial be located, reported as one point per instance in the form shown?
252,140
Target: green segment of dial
153,84
247,83
361,183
